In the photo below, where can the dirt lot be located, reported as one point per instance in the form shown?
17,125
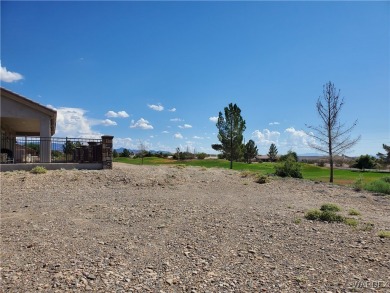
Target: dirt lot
173,229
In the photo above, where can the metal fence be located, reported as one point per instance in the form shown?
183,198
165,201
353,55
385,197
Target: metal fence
50,149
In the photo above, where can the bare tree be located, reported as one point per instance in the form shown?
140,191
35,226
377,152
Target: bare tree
142,150
331,137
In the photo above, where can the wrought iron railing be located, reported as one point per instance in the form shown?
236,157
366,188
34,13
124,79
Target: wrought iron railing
50,150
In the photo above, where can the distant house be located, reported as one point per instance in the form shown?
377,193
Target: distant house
262,158
23,117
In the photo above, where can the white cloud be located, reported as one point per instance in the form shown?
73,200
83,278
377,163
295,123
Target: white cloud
266,137
158,107
197,137
9,76
297,138
72,122
165,131
178,135
120,114
214,119
274,123
124,143
176,120
123,114
172,110
185,126
141,124
108,122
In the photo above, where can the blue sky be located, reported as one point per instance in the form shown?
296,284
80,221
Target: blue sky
159,72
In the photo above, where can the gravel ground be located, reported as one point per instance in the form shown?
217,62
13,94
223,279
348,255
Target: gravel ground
175,229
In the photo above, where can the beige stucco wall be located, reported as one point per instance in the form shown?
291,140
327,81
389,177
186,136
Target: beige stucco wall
10,108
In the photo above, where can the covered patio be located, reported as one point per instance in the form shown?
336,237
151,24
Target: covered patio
23,117
26,139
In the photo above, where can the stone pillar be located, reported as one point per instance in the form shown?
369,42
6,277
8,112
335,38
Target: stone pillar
107,151
45,141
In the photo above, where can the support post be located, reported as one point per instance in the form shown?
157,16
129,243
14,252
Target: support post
107,151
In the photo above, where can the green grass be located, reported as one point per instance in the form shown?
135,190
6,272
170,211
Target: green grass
147,161
311,172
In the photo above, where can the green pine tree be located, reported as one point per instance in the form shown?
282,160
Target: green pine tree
231,127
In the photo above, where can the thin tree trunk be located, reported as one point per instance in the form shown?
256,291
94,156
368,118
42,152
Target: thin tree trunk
331,168
231,142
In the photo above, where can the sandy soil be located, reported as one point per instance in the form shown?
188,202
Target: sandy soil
175,229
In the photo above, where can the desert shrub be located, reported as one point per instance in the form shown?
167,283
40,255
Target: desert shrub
38,170
331,207
325,216
261,179
297,221
384,234
367,226
313,214
288,168
379,186
353,212
386,179
358,185
351,222
180,166
329,216
245,174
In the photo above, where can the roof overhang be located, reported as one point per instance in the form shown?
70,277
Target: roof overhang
28,126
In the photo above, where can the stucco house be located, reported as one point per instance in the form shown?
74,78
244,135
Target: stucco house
23,117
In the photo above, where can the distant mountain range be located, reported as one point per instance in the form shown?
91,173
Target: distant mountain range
301,156
120,150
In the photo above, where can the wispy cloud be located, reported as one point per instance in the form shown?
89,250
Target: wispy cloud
158,107
120,114
273,123
213,119
172,110
197,137
108,122
185,126
165,132
9,76
178,135
176,120
141,124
